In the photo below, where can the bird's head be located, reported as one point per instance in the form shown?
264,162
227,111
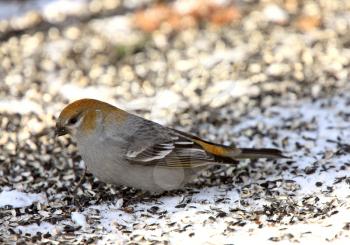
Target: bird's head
82,116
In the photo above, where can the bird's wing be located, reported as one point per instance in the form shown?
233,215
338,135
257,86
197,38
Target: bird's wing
177,150
143,142
173,153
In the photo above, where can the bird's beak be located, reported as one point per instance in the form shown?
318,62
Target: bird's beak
60,130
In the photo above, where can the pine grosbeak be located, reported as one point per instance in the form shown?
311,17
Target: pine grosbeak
125,149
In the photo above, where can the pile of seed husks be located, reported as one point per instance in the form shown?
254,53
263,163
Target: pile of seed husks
277,76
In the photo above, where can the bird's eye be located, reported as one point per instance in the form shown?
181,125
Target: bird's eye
72,121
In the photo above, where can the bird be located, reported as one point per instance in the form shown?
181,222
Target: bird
124,149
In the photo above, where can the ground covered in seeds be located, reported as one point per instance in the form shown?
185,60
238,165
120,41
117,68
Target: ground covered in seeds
267,74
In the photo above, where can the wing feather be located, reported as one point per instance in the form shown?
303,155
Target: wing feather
151,153
179,152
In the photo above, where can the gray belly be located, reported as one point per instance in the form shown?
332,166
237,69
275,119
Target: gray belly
112,168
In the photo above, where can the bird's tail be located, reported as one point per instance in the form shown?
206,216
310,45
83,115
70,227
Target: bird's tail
234,153
251,153
229,154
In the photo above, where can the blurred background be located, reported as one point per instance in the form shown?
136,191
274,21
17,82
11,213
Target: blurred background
159,58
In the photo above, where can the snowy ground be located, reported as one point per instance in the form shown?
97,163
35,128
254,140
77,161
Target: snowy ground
276,77
304,199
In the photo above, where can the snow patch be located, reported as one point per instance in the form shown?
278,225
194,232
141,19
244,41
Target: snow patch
43,228
78,218
19,199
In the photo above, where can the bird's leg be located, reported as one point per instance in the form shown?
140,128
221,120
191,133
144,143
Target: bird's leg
80,180
76,199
